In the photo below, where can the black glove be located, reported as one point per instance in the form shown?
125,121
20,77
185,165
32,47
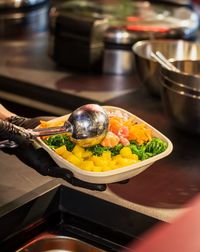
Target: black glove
28,123
30,153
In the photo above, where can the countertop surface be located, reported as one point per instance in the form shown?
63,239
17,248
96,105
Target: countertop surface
29,77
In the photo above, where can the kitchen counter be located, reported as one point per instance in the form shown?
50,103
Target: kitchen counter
29,77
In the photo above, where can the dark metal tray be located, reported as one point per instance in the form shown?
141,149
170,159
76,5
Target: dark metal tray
62,211
49,243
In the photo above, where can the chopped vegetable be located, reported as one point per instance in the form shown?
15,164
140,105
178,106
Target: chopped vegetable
110,140
97,150
116,150
56,141
156,146
150,149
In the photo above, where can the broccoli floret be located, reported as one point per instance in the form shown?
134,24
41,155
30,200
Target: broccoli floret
116,150
150,149
146,155
68,143
56,141
156,146
97,150
137,149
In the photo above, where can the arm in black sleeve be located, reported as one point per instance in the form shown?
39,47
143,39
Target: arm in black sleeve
30,153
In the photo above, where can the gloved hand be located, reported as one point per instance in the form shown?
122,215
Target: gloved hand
30,153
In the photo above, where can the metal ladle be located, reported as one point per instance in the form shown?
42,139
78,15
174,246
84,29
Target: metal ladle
86,126
160,58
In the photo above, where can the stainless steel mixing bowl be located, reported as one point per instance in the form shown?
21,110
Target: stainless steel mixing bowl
183,109
188,79
174,50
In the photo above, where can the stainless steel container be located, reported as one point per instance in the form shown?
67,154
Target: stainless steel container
76,40
58,244
118,55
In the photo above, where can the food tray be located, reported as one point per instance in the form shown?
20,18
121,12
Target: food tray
118,174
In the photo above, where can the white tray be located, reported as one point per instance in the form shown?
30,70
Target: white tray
115,175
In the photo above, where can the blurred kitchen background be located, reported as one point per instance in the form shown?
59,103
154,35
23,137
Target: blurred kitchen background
96,37
94,26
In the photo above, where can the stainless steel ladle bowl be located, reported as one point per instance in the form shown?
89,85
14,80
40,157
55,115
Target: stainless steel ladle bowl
86,126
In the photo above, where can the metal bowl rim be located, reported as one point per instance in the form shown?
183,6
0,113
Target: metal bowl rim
195,97
179,84
167,42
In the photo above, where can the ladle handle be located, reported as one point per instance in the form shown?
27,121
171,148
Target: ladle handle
33,133
160,58
66,128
